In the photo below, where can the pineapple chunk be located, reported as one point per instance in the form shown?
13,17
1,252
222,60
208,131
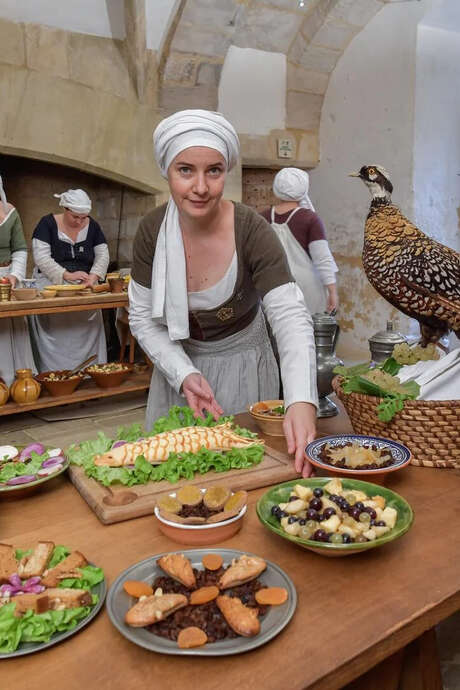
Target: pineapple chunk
331,524
345,529
371,534
327,503
284,522
381,530
380,501
389,515
371,504
293,529
282,505
379,513
359,495
295,506
334,486
303,492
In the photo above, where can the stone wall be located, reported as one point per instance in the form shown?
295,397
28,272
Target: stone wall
30,186
257,187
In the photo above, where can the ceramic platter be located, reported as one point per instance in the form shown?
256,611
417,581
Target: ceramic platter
276,618
32,647
22,489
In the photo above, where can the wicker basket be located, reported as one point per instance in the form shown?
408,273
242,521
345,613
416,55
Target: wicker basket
429,428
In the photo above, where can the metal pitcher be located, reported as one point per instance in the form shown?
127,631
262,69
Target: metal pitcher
326,331
381,344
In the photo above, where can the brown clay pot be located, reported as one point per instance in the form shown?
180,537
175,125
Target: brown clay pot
25,389
4,392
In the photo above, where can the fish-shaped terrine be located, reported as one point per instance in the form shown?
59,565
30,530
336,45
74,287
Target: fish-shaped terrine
188,439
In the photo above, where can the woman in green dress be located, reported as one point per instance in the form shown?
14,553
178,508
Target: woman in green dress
15,348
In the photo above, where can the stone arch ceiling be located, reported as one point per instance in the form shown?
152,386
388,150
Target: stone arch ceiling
313,38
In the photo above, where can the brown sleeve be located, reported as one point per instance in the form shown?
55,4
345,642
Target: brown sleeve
263,253
266,213
307,226
144,246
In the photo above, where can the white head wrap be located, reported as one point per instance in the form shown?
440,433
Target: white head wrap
291,184
176,133
75,200
189,128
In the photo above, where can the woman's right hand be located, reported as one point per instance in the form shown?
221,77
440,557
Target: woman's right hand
73,276
199,396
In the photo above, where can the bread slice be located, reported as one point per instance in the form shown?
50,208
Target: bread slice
24,602
35,564
66,598
8,562
65,568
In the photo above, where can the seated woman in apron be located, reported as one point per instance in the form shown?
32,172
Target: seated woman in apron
15,348
201,266
69,247
303,237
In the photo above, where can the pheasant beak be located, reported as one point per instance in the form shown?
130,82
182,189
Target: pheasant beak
354,174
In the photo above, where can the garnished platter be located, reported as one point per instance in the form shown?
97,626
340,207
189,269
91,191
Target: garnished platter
25,469
271,624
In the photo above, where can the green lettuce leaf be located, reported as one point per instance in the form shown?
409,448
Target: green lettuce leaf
18,469
90,576
391,366
20,553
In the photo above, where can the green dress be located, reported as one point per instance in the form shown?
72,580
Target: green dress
15,348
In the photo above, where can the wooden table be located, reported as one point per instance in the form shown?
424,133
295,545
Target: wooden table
60,305
352,612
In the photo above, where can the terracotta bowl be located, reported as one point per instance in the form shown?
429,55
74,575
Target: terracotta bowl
273,426
24,293
57,388
400,453
200,535
111,379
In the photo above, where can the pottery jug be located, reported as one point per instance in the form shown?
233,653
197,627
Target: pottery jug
326,331
4,392
24,389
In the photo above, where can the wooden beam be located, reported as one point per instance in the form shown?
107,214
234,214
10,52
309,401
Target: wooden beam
136,45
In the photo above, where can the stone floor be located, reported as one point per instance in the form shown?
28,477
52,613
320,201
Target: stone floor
24,428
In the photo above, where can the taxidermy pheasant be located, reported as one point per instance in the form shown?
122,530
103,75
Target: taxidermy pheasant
416,274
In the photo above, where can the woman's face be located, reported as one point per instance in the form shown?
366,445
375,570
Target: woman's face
196,179
73,220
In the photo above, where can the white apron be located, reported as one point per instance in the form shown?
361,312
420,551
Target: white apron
241,369
15,347
62,341
301,266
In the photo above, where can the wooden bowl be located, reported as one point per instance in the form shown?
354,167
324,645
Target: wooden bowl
24,293
200,535
272,426
116,284
57,388
110,379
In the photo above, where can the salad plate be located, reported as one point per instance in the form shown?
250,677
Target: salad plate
19,477
271,624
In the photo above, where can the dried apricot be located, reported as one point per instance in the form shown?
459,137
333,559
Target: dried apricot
212,561
191,637
136,588
236,501
204,594
271,596
169,504
215,497
189,495
172,517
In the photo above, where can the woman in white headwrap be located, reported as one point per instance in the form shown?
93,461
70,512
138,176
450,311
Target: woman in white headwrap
303,237
201,266
69,247
15,349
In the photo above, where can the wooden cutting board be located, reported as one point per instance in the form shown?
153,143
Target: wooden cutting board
118,503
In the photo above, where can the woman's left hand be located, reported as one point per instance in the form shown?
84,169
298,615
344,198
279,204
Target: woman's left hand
91,279
332,298
12,279
300,429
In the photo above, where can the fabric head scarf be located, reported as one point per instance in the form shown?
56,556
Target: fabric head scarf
3,196
75,200
291,184
176,133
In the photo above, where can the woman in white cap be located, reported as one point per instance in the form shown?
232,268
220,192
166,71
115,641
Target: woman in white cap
15,348
303,237
201,266
69,247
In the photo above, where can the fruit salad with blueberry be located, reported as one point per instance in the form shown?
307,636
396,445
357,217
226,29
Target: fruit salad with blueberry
334,514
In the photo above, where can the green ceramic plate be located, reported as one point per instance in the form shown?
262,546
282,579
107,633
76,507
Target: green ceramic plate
280,494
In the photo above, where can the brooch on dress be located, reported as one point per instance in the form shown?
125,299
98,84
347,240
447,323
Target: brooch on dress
225,313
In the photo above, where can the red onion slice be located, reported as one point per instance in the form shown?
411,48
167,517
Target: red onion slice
15,580
45,471
35,447
25,479
58,460
32,581
118,443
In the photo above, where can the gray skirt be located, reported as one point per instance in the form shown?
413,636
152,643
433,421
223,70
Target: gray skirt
241,369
